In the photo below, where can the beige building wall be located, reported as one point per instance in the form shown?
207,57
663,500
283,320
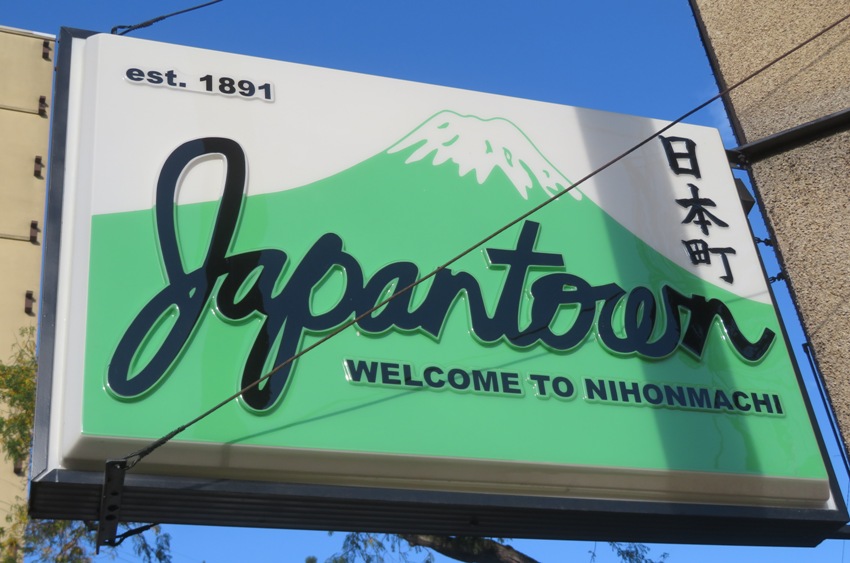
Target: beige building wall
805,191
26,78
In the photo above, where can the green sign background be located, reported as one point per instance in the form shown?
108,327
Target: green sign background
386,210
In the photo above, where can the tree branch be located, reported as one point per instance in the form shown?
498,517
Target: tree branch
468,549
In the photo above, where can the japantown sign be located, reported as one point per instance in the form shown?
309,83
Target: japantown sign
222,214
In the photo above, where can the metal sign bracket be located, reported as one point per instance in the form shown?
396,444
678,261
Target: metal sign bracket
110,503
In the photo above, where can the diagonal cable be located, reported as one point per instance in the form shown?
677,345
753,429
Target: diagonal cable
135,457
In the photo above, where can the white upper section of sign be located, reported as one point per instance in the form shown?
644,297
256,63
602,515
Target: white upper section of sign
142,99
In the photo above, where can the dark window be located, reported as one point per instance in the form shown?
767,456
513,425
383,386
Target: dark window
29,303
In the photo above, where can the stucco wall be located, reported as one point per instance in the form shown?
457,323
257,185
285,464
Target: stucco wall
805,191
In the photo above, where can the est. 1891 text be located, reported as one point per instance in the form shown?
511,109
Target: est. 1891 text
209,83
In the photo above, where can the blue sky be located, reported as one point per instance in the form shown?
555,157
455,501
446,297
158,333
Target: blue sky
643,58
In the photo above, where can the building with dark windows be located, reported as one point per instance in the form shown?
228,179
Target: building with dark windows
26,77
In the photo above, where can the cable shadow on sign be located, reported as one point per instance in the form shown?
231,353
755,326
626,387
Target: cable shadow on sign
326,416
368,404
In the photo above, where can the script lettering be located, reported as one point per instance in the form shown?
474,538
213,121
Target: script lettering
248,280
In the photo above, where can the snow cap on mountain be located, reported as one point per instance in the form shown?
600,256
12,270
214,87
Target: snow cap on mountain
481,145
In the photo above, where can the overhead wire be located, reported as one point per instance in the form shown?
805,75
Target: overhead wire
135,457
128,28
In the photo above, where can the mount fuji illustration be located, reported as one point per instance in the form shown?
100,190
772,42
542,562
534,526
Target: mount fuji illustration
482,145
